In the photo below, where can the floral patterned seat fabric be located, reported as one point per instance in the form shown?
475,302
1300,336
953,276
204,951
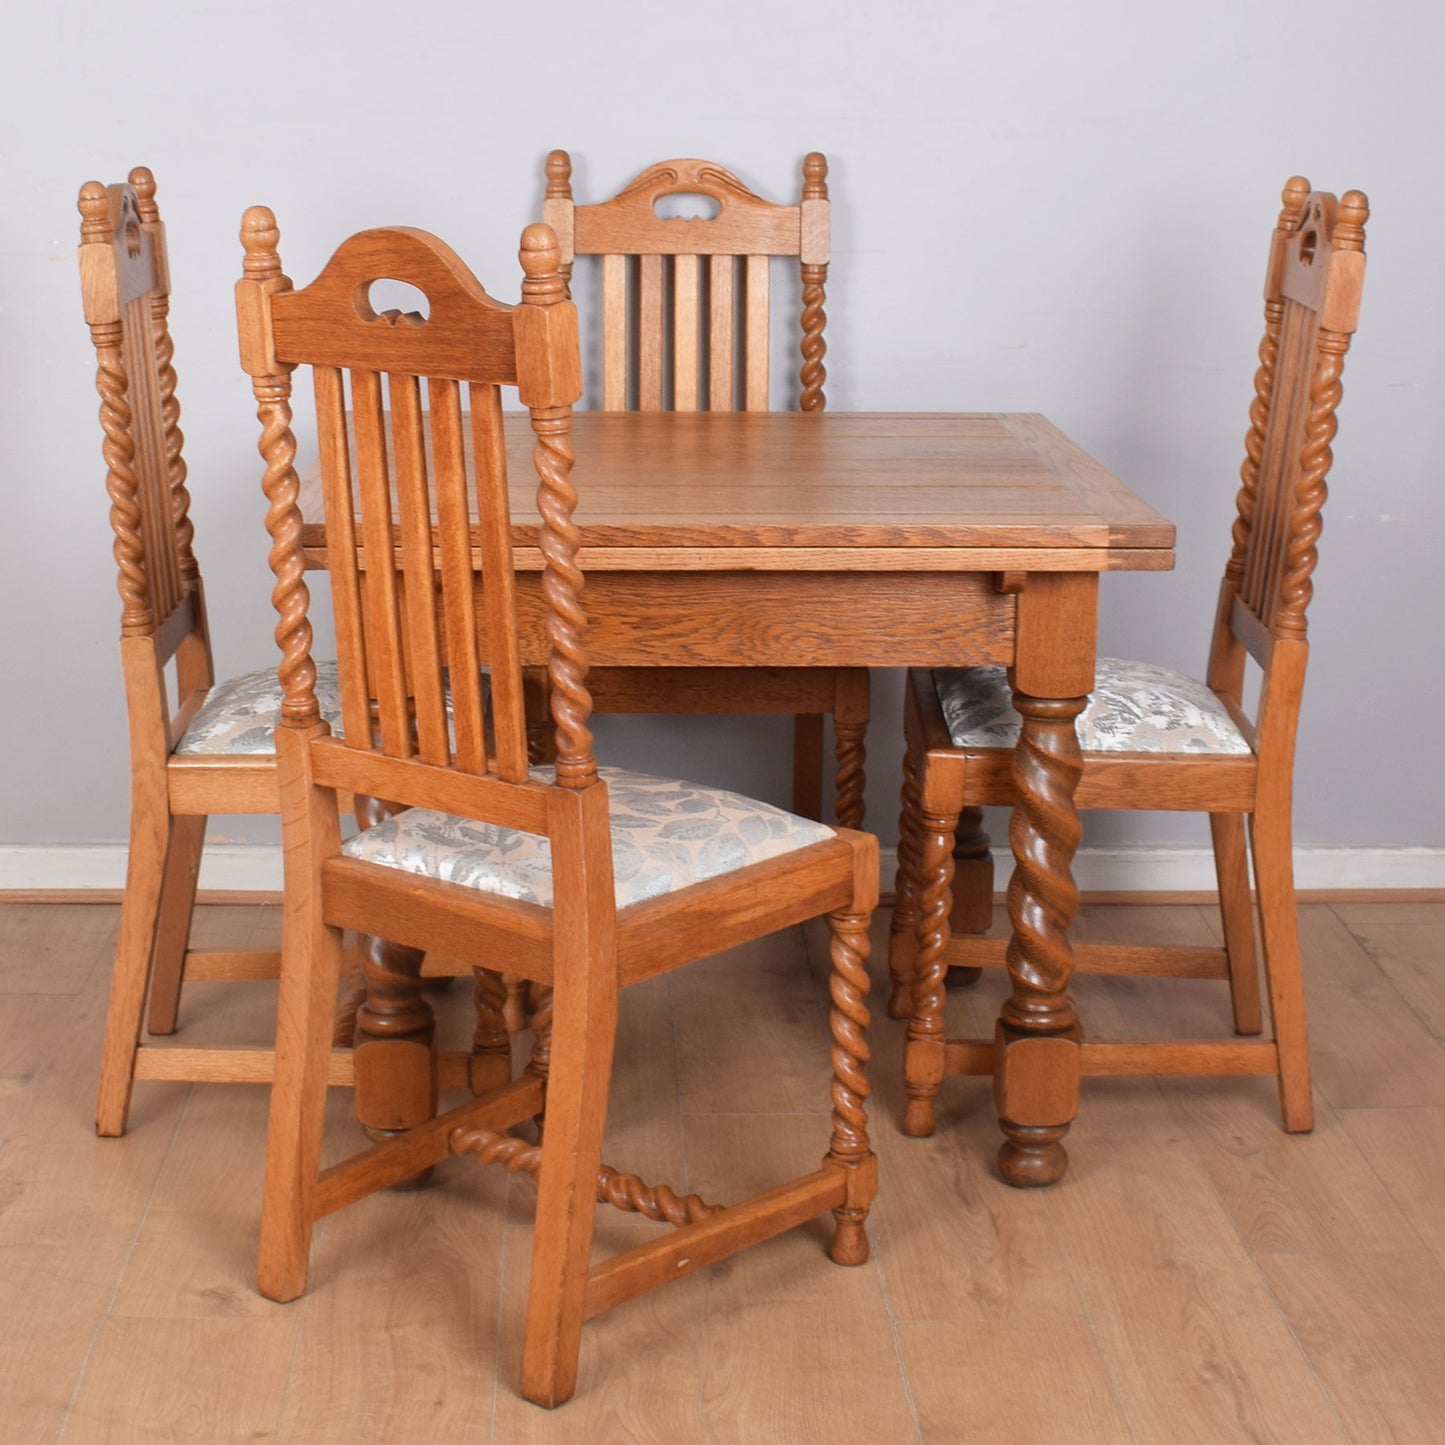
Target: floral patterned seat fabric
241,713
665,836
1135,708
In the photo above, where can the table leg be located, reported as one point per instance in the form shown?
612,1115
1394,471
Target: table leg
395,1051
1036,1076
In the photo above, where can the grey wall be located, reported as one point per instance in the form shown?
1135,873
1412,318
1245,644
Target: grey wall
1046,206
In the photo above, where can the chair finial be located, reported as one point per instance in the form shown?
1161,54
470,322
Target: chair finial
94,207
559,175
260,236
541,259
1350,223
1292,202
143,183
815,176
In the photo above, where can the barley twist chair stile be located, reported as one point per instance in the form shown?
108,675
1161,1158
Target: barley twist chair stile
570,875
686,307
211,751
1152,738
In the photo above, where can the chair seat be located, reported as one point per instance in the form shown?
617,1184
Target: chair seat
239,716
1135,707
666,835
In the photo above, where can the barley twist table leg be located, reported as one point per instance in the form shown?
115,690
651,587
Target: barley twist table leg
1036,1078
396,1068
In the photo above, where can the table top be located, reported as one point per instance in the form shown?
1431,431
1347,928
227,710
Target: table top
785,491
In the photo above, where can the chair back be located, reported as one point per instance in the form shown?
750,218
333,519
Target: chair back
125,287
685,300
414,483
1312,302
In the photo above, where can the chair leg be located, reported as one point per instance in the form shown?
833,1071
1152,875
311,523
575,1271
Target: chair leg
539,999
903,931
311,956
583,1032
972,875
515,1009
1231,867
491,1061
135,948
1279,930
848,1023
310,970
850,728
923,1054
808,765
173,935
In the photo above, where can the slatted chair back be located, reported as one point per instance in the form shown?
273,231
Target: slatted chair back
125,286
1312,301
686,300
424,392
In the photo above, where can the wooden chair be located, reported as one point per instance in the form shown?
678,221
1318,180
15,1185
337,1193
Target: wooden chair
685,320
209,753
1155,739
467,863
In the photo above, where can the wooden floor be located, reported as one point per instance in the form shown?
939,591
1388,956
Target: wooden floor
1199,1276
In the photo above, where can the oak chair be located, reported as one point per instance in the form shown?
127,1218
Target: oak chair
209,753
466,863
686,307
1155,739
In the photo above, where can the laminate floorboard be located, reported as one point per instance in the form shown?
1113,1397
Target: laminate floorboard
1199,1276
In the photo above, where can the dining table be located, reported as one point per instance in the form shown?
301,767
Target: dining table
878,540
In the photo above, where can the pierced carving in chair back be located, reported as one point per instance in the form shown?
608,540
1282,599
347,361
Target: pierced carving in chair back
409,638
126,292
1312,299
699,286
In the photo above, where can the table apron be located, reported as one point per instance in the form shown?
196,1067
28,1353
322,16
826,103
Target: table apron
806,619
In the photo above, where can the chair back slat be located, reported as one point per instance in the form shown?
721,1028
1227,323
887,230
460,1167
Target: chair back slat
755,333
152,475
339,501
408,560
1265,554
720,359
686,331
509,720
383,663
1312,294
614,333
152,493
125,286
651,340
457,574
425,670
680,322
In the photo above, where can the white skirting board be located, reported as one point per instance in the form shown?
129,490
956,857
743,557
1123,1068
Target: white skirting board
1142,869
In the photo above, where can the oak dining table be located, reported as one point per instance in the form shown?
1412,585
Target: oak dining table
886,540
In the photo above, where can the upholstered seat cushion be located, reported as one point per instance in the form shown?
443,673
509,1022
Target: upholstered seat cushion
1135,708
241,713
665,836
